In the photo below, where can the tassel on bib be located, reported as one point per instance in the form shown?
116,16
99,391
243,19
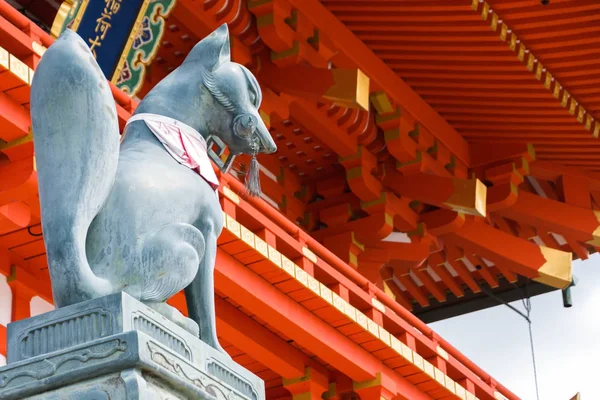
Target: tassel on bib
253,178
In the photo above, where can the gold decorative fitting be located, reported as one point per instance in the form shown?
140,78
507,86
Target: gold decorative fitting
38,48
450,385
351,88
533,65
362,320
396,345
538,71
485,11
388,291
338,302
494,24
247,236
4,58
17,142
61,16
442,353
428,369
377,305
503,32
530,62
580,114
469,197
418,361
548,80
326,293
313,285
261,246
231,195
521,54
565,98
382,103
287,265
513,41
556,271
461,392
350,311
301,276
234,227
499,396
373,327
309,254
384,336
572,106
557,89
346,308
440,377
274,256
19,69
588,122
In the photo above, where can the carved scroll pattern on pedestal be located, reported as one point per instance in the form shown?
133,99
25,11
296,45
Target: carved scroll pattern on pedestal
191,374
52,365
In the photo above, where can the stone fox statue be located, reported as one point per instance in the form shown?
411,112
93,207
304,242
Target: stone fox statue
129,216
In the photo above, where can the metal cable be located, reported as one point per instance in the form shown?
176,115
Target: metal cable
537,391
526,300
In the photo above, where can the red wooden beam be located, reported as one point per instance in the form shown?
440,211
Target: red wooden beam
542,264
258,342
378,71
265,215
323,128
14,119
551,171
277,309
462,195
342,86
576,222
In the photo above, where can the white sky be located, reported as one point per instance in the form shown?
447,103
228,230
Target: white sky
566,340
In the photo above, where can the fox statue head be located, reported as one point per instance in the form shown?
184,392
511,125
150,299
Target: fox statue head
235,119
220,99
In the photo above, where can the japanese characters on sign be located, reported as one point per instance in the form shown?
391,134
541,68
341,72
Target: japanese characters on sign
123,35
107,27
103,23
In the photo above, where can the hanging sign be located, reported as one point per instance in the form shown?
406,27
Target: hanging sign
123,35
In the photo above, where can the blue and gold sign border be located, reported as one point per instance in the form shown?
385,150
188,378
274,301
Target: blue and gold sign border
141,47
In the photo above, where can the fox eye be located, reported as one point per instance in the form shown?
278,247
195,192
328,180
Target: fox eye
244,125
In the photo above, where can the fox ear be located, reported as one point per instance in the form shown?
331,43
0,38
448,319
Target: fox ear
212,51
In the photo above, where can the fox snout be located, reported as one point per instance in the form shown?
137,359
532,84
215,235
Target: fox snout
267,144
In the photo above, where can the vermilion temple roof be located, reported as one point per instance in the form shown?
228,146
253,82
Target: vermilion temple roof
430,152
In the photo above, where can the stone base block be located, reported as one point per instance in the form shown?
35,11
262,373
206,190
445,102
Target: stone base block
117,348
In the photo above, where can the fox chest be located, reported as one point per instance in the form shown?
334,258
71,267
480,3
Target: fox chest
162,190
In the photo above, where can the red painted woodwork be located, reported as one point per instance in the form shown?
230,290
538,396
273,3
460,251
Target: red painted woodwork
368,203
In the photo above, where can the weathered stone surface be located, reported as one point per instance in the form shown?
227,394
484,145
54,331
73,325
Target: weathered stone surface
117,348
127,216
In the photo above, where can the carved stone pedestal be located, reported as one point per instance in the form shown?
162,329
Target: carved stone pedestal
116,348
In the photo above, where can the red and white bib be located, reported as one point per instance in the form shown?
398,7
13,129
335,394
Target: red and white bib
183,142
